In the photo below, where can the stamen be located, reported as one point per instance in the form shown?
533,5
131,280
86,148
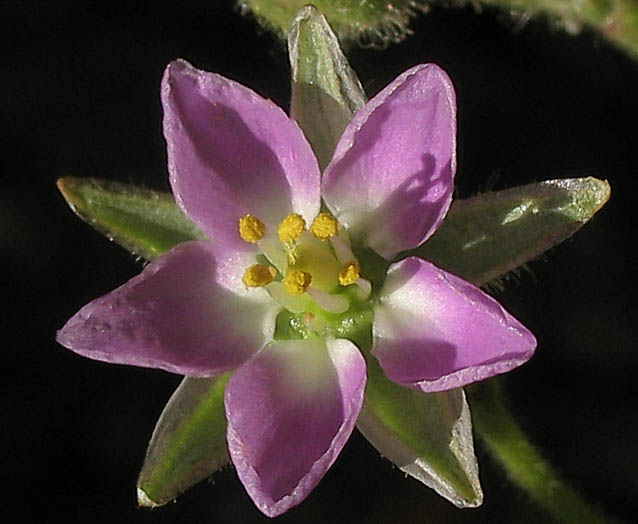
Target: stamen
336,304
296,304
342,249
292,255
259,275
275,253
296,282
291,228
324,226
365,288
315,257
251,229
349,274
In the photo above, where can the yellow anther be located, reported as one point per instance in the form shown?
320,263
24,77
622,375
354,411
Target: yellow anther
251,229
290,228
296,282
349,274
259,275
324,226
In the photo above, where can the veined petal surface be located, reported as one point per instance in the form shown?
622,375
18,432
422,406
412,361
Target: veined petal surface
232,153
435,331
290,411
188,312
392,174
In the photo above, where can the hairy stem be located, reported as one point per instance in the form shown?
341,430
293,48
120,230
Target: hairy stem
510,446
615,19
379,22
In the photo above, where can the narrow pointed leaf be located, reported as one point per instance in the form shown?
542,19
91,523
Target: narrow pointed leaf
487,236
326,92
428,436
147,223
188,443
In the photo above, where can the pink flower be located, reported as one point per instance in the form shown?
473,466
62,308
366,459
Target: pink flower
243,171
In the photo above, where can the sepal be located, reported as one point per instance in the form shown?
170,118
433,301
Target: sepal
326,92
148,223
188,443
485,237
428,436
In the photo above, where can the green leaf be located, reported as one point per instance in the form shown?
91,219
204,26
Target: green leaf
428,436
147,223
326,92
487,236
189,441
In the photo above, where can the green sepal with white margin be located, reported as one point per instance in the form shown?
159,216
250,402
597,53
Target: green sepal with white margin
326,92
146,222
485,237
188,443
428,436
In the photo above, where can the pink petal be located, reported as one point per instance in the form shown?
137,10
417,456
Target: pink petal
435,331
392,174
290,410
231,152
187,312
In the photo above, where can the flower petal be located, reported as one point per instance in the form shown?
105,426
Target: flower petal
231,153
187,312
435,331
290,410
392,174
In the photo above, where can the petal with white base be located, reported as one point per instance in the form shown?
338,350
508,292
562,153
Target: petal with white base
188,312
231,153
290,411
391,178
435,331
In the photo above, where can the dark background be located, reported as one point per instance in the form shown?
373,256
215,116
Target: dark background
79,96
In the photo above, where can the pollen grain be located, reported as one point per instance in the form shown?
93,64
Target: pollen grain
296,282
259,275
324,226
291,228
251,229
349,274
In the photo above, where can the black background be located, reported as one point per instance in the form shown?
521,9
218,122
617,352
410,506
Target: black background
79,96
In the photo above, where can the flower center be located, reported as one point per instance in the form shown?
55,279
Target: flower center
305,270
